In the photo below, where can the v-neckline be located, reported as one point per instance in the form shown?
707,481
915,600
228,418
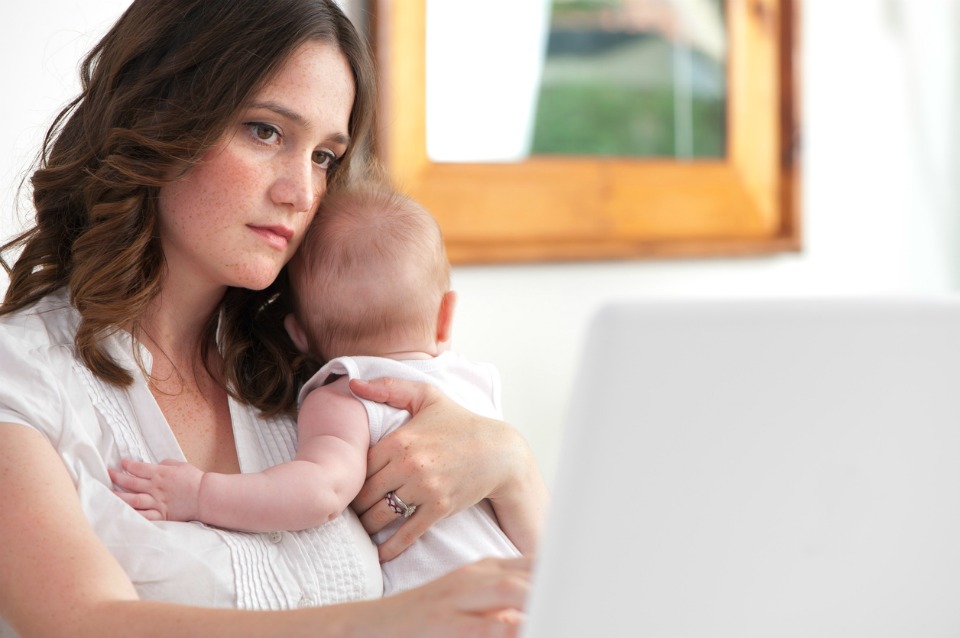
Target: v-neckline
158,435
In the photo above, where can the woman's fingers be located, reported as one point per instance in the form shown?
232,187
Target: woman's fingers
411,529
383,513
505,584
399,393
377,517
387,510
483,599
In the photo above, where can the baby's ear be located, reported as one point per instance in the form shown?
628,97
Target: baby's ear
445,316
296,332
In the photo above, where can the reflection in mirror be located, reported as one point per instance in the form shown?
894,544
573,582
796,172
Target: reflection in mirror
633,78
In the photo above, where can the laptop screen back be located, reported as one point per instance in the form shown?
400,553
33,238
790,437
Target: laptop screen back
759,468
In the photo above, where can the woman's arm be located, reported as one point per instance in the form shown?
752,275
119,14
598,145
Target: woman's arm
313,488
54,572
56,576
445,460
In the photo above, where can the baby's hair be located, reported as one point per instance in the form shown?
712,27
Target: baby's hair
371,265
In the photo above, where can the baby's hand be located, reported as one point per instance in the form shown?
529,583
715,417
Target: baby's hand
169,491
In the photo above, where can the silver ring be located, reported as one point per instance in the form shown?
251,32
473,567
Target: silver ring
398,506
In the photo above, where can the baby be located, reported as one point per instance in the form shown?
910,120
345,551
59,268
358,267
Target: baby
372,298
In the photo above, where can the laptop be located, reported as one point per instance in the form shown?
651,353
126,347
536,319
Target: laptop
758,468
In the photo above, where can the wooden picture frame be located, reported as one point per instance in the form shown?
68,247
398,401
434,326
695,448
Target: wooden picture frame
551,208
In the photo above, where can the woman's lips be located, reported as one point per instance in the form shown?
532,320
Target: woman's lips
276,236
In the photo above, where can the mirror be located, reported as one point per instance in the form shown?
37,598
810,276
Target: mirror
641,78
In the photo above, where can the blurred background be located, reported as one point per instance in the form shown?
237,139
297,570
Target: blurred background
880,104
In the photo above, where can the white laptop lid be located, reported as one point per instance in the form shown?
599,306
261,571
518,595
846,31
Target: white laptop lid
759,469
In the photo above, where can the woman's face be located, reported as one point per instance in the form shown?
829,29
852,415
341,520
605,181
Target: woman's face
238,216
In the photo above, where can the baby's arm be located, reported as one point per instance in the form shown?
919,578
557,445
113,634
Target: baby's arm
326,474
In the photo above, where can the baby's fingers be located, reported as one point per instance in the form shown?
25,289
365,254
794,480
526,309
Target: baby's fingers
129,482
139,502
139,468
144,504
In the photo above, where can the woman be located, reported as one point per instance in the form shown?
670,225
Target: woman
143,318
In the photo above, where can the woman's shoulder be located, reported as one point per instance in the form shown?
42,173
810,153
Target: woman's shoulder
52,321
36,361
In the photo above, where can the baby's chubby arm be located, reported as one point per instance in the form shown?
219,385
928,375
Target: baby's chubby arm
315,487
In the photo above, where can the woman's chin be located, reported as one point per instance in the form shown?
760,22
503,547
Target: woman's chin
256,279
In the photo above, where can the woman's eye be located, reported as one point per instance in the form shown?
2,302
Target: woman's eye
264,132
325,159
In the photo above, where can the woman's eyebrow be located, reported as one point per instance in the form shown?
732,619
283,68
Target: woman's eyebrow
295,117
282,111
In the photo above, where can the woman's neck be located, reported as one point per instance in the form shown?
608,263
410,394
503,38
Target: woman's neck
188,390
176,319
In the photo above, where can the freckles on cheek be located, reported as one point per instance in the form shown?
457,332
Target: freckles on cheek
222,176
235,179
220,183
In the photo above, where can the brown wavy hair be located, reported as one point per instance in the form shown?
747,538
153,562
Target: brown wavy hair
158,91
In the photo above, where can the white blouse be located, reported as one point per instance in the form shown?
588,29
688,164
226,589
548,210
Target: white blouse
92,425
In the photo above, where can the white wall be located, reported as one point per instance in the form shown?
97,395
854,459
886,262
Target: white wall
880,143
41,44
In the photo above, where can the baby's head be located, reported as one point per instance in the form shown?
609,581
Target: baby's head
371,277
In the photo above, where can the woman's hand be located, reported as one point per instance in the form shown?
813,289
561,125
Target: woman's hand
483,599
443,461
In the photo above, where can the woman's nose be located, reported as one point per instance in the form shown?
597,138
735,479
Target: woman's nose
296,186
